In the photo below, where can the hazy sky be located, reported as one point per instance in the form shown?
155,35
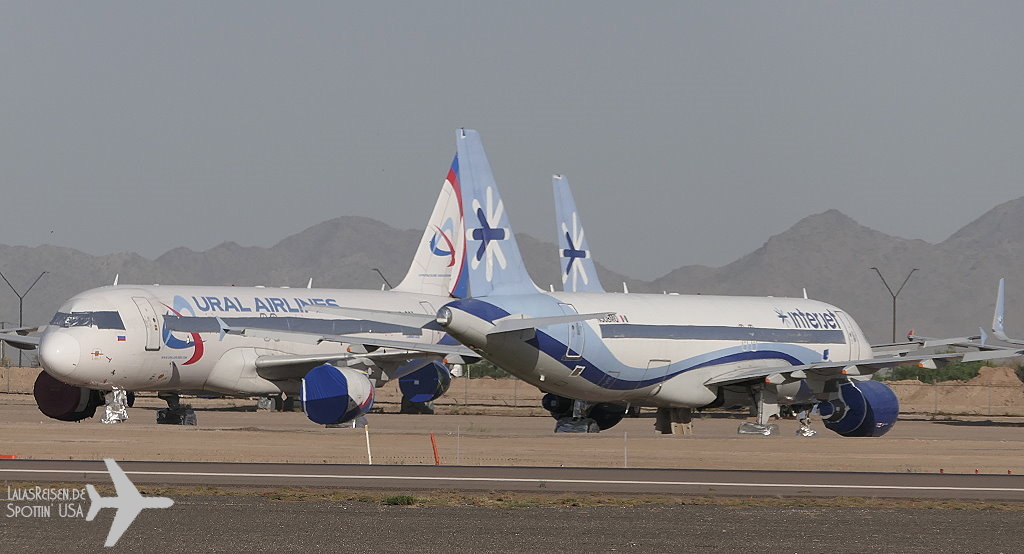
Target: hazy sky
690,131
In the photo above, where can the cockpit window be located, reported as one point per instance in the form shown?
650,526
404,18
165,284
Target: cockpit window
100,320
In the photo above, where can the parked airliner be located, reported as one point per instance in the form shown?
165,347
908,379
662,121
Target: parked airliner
172,338
595,353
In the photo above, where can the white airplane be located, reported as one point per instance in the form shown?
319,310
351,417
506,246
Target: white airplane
128,502
595,353
172,339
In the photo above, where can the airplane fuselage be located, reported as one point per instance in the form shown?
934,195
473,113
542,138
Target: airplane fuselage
656,350
131,337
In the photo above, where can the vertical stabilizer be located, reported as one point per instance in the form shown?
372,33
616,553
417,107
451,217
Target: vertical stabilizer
495,264
94,503
579,274
1000,313
439,264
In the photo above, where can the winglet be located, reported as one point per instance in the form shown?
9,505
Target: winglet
579,273
116,277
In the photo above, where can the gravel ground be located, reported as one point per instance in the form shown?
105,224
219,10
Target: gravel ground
240,523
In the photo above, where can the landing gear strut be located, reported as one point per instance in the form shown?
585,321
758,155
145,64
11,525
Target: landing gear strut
175,413
577,422
674,421
767,406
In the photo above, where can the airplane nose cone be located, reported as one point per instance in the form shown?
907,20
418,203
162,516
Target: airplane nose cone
59,353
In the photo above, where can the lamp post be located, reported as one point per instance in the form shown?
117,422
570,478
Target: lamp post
21,303
894,295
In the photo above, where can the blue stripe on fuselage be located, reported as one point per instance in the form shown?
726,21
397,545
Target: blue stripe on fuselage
603,376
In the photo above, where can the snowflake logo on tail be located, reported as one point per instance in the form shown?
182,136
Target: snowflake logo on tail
574,254
488,234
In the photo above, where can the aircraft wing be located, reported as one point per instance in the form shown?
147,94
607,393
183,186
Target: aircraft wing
20,341
778,375
122,520
295,366
123,485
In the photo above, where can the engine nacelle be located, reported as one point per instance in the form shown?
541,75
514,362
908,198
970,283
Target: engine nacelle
607,414
65,402
428,381
559,406
335,394
862,409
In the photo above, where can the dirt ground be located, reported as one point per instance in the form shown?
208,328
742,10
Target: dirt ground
231,430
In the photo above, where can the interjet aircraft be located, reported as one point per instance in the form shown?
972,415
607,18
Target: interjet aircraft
192,339
596,353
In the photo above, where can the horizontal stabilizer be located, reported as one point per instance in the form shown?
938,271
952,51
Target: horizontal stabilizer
512,323
422,321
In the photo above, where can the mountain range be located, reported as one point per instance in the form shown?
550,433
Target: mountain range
828,254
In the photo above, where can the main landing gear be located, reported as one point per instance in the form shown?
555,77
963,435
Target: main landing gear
674,421
175,413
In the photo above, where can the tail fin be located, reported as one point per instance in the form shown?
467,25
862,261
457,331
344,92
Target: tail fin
94,502
578,271
439,266
1000,313
495,264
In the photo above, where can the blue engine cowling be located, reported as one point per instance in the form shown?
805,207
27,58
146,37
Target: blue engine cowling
335,394
424,380
863,409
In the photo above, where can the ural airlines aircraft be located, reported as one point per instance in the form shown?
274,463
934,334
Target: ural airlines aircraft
595,353
176,339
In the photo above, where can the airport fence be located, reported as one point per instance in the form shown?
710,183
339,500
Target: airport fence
958,398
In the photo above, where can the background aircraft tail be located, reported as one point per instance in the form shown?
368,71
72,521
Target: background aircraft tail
492,255
578,271
439,266
94,502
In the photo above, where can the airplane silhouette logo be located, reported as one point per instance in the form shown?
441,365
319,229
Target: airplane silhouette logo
128,502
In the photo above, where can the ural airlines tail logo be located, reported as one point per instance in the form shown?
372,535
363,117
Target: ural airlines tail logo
182,305
444,233
573,253
488,234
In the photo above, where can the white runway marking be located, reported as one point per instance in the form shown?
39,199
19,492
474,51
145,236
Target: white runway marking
527,480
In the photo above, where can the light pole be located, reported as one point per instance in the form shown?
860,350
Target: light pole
21,302
894,295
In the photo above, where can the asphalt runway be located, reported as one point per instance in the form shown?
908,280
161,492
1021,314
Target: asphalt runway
535,479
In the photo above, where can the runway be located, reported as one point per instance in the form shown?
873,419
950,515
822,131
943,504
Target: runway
533,479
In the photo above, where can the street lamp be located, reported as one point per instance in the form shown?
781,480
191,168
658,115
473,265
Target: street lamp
21,302
894,295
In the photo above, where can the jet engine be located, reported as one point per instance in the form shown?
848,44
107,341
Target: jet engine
607,414
335,394
426,383
861,409
559,406
604,414
65,402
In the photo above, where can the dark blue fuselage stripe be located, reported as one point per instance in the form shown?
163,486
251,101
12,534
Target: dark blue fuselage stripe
714,332
552,347
188,324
